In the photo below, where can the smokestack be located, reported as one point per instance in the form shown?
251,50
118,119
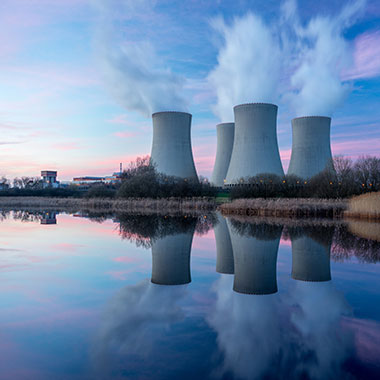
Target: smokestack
255,148
310,260
255,261
224,254
311,151
171,147
171,259
225,140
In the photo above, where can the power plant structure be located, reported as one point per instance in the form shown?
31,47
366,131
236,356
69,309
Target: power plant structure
255,148
171,147
225,140
171,259
224,253
255,259
311,151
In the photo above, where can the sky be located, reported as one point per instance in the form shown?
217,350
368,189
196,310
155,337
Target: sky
79,79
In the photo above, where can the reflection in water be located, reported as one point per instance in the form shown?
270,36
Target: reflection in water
49,217
171,259
136,322
248,332
224,254
255,249
320,306
311,253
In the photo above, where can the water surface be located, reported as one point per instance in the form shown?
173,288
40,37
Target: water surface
142,297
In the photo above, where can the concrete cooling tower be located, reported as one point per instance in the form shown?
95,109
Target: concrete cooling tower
224,254
255,262
255,150
171,147
225,140
311,151
310,260
171,259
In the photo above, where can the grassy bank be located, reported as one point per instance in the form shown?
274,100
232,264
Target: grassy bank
366,206
286,207
131,205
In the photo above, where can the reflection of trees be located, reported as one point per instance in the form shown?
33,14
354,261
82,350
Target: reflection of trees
143,230
320,233
258,230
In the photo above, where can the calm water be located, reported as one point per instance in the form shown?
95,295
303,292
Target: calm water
184,298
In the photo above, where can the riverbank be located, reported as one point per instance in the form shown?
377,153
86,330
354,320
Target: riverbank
131,205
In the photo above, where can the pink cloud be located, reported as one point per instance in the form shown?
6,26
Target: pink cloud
66,146
366,57
67,247
357,147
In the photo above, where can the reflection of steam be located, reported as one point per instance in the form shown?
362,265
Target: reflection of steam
171,259
255,256
224,254
248,328
325,346
137,317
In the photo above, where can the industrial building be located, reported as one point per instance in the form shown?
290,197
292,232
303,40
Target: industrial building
49,178
171,259
171,147
255,259
225,141
255,149
311,151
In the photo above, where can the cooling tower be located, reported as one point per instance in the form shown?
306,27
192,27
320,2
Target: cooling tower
224,254
310,260
311,151
255,149
171,147
225,142
171,259
255,261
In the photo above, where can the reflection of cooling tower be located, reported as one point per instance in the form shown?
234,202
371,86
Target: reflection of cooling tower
224,254
255,149
171,259
255,263
171,147
311,152
225,141
310,260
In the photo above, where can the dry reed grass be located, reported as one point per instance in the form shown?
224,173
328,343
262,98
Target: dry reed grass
365,206
286,207
110,205
365,229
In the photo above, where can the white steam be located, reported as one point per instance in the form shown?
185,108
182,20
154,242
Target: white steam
249,64
257,60
133,72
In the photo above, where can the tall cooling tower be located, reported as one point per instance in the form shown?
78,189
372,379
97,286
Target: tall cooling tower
225,141
255,149
311,151
171,147
255,260
224,254
310,260
171,259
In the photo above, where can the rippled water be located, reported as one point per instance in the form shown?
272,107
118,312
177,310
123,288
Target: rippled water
160,297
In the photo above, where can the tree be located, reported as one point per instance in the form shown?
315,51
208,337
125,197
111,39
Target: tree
367,172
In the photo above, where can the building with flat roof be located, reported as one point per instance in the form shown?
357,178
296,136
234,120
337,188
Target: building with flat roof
49,178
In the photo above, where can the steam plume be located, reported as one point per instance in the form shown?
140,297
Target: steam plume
133,72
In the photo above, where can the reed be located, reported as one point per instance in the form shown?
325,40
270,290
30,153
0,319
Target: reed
365,206
286,207
110,205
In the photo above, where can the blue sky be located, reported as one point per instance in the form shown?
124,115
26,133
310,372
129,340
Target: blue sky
67,79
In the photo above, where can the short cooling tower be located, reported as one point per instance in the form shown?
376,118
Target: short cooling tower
310,260
311,151
171,147
255,149
255,260
225,141
171,259
224,254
